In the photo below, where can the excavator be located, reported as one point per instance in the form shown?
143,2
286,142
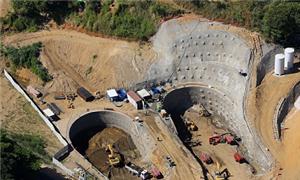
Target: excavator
221,175
114,158
191,126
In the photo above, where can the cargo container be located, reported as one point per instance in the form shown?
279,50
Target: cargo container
85,94
135,100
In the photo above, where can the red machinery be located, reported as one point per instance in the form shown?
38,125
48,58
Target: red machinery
205,158
216,139
229,139
155,172
238,157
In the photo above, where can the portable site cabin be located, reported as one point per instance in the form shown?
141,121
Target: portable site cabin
112,95
50,114
34,92
54,108
85,94
135,100
144,94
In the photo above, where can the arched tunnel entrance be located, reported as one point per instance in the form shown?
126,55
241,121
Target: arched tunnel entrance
178,101
182,104
92,132
87,125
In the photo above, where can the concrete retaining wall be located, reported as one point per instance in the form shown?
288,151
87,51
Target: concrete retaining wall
103,119
267,63
62,167
52,127
283,108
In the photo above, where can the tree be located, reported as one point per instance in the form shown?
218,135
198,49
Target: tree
20,155
27,57
282,21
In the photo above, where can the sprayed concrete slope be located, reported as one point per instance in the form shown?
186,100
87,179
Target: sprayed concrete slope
190,53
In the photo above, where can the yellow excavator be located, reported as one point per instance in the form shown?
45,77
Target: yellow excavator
191,126
114,158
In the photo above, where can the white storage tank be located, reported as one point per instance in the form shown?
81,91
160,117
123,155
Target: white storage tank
289,58
279,64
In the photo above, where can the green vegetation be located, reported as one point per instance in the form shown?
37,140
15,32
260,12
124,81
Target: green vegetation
278,21
281,22
32,15
21,155
123,18
27,57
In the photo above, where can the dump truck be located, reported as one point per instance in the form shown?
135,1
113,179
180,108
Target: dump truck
155,172
206,158
223,138
239,158
136,170
114,158
215,139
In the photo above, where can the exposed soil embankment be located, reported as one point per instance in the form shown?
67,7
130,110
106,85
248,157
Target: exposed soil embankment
75,59
122,142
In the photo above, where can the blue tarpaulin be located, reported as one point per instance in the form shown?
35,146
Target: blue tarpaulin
122,94
157,90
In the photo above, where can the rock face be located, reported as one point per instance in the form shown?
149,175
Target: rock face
191,53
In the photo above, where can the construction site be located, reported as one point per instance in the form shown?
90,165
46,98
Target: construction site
200,100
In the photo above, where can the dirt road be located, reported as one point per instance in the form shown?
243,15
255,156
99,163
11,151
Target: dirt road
262,104
186,166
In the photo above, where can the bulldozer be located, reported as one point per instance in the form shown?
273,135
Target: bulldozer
114,158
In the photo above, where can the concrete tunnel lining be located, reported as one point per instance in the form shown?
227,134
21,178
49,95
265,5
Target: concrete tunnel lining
98,120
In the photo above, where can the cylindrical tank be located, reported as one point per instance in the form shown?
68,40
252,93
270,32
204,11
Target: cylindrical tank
279,64
289,58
